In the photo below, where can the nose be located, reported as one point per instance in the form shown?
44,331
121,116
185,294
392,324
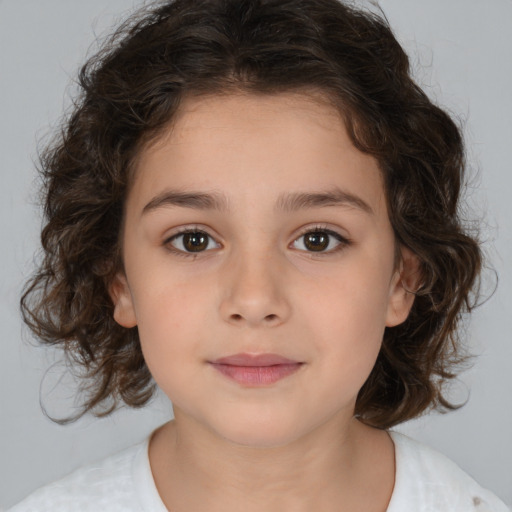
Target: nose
254,292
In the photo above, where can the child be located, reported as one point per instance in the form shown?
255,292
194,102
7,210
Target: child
255,207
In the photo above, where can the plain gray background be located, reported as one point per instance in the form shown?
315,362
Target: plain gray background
461,51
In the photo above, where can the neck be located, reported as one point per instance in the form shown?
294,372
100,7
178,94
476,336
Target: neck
331,469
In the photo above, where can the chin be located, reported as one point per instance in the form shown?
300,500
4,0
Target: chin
262,431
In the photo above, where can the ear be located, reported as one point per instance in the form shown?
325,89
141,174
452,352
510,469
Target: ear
406,280
119,291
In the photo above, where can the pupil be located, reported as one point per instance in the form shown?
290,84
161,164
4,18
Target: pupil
195,242
317,241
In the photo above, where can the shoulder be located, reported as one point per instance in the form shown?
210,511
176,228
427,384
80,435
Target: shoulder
425,476
105,485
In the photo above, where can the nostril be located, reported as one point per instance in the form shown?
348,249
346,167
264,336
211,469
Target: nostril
269,318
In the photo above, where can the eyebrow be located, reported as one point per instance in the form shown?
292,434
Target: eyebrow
195,200
291,202
287,202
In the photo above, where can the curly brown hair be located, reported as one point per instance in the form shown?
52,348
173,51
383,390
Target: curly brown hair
133,87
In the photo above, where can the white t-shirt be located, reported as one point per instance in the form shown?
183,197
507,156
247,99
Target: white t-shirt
425,481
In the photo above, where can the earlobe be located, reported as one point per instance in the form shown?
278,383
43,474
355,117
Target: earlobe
404,284
124,312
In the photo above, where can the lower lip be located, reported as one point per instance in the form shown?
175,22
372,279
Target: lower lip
257,375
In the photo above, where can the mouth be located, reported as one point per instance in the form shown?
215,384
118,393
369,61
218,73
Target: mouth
256,370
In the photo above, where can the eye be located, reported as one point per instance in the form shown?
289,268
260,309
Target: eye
320,240
192,241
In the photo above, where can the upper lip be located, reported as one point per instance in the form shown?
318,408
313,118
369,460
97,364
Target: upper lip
254,360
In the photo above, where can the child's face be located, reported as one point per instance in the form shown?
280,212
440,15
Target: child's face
256,284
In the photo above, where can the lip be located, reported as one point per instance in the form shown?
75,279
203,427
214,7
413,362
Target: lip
255,370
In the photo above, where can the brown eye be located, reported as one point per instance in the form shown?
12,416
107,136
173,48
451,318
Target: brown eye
316,241
321,241
192,241
195,242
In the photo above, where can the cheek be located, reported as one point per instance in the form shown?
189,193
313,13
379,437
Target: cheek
171,320
348,313
353,296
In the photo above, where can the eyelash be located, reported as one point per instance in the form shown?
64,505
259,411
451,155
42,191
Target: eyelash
181,232
343,241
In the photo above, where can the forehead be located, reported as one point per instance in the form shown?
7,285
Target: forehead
255,147
304,106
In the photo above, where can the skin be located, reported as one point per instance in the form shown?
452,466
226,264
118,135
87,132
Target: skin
258,288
